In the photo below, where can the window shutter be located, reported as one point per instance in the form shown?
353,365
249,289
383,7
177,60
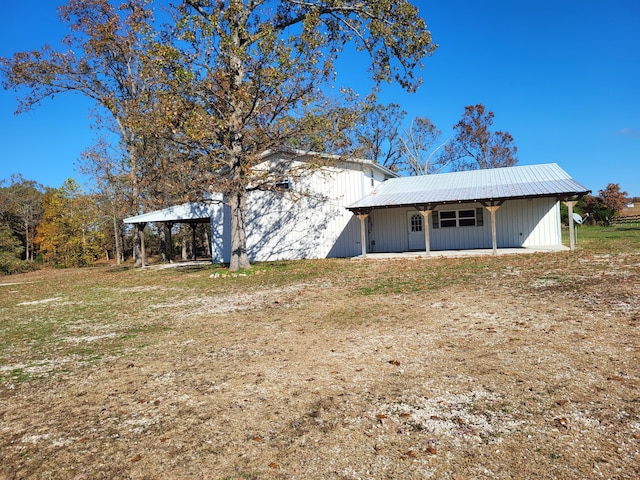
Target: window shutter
436,219
480,216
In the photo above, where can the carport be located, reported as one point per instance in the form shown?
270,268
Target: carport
192,214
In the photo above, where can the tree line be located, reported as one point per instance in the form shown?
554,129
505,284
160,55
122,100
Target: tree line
67,227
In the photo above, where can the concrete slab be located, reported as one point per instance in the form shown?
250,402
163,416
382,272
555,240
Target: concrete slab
460,253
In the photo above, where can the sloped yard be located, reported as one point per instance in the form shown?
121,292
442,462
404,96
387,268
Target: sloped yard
508,367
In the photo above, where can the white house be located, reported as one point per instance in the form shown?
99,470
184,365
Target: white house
353,207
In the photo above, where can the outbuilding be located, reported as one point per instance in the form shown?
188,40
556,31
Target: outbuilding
354,207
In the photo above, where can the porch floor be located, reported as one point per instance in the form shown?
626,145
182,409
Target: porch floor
460,253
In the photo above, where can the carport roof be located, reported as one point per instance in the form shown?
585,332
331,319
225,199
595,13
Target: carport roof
497,184
187,212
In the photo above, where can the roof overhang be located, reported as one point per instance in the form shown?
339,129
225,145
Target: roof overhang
195,212
488,187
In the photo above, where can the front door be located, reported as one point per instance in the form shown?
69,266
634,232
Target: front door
415,228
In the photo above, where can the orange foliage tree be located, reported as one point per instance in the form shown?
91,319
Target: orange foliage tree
69,233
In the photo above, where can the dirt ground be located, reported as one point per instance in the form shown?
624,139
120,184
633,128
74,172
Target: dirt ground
478,368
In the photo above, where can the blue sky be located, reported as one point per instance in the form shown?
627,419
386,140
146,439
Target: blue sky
563,77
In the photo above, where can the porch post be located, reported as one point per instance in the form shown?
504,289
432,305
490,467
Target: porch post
143,251
363,233
426,221
494,237
193,240
169,227
572,238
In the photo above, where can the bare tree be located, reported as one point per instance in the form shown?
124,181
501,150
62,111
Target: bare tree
418,145
475,146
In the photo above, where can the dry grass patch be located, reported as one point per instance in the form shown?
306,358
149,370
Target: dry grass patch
508,367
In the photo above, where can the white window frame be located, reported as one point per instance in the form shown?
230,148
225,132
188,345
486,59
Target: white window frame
452,218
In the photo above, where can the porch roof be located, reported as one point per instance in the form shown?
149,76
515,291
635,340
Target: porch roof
497,184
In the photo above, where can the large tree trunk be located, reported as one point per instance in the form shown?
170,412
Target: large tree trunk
238,205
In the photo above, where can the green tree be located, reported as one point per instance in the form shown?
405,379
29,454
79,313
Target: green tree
10,252
24,199
475,146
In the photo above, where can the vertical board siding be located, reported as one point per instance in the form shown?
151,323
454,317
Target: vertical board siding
462,238
310,220
519,223
529,223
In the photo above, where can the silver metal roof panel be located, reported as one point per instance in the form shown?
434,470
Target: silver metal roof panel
490,184
177,213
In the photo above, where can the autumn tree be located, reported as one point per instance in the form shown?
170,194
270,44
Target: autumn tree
419,143
68,234
475,146
24,200
613,199
107,167
252,69
108,59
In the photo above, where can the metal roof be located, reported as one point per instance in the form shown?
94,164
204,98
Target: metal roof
298,154
474,185
187,212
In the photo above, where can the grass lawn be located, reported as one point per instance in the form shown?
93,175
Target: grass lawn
516,366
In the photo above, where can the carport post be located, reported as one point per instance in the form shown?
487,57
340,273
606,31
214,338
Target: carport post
193,240
572,238
363,233
143,251
426,221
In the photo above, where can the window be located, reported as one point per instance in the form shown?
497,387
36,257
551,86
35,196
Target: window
448,219
466,218
283,184
416,223
472,217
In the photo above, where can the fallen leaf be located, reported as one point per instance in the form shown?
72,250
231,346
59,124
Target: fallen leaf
562,402
137,458
430,450
394,362
273,465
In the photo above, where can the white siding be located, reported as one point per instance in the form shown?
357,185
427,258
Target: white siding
388,230
308,221
462,238
529,223
519,223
